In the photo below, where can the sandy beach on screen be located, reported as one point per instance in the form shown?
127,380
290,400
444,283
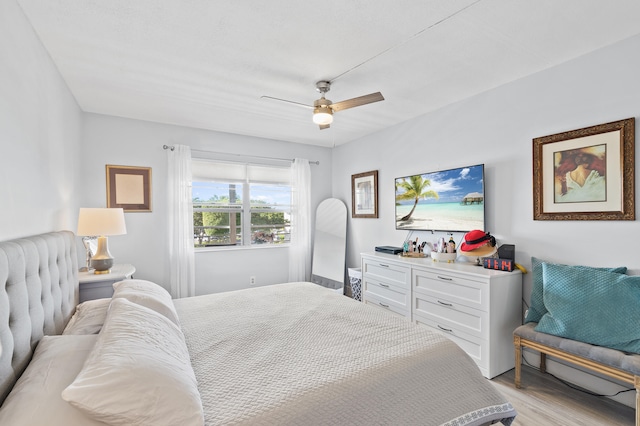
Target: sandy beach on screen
442,224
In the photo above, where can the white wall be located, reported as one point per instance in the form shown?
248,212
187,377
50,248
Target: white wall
119,141
40,125
496,128
53,162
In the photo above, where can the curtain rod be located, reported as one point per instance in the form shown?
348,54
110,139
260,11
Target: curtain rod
170,147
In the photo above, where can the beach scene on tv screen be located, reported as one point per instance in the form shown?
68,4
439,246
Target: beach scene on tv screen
449,200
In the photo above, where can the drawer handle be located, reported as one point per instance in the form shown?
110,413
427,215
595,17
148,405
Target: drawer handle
448,330
444,304
384,285
383,305
383,265
445,278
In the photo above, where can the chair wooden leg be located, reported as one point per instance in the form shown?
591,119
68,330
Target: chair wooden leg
518,354
543,362
637,385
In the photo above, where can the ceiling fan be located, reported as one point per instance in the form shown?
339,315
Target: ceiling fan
323,108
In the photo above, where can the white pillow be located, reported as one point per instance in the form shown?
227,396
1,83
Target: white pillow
35,398
138,373
88,317
148,294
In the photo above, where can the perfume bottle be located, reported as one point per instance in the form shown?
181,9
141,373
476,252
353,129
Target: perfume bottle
451,245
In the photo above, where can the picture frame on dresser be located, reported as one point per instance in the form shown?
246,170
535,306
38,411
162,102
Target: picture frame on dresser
129,188
364,195
585,174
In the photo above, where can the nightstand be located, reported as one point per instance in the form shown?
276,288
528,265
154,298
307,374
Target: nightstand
98,286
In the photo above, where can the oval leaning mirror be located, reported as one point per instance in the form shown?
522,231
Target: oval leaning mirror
330,244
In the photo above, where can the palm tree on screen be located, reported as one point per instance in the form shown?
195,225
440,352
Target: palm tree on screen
414,189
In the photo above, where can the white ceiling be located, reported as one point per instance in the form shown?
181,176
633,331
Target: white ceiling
205,63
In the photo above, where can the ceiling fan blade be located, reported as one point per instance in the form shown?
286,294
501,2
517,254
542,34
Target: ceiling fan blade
354,102
289,102
324,126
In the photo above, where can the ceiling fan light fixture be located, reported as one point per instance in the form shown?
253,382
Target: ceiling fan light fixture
322,115
323,108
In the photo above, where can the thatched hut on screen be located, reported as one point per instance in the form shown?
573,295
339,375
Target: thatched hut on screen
472,198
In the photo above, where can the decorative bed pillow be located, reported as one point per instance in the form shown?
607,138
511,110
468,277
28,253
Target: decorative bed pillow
592,306
537,308
139,372
88,317
35,399
148,294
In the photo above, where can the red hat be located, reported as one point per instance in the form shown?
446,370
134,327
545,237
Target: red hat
475,239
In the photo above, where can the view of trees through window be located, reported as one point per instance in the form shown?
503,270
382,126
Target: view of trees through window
240,214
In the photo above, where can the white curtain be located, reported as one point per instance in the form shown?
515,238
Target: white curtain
181,253
300,250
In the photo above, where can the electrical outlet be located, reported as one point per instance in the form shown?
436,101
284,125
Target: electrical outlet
252,280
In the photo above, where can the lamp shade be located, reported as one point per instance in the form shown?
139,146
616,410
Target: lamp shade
101,221
322,115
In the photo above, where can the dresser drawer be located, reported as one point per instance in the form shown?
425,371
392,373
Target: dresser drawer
387,292
475,347
472,322
391,306
388,272
456,289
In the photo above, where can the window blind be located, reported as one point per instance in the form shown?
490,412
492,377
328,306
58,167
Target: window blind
209,170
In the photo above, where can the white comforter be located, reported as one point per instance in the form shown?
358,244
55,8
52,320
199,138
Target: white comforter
299,354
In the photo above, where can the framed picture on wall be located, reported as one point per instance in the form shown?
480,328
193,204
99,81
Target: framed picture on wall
585,174
129,187
364,195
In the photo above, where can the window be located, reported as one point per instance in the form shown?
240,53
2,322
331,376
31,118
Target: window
240,204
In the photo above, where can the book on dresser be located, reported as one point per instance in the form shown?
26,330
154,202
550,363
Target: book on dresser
475,307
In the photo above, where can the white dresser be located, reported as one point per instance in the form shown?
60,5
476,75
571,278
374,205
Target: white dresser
475,307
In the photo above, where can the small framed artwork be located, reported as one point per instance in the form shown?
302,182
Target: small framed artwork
129,188
585,174
364,194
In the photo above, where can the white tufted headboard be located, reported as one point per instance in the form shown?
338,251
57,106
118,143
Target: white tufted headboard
38,295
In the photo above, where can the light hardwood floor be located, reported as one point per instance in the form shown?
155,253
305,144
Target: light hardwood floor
543,400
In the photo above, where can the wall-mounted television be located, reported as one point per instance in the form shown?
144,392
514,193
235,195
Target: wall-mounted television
446,200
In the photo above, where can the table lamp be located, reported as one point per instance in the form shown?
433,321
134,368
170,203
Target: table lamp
101,222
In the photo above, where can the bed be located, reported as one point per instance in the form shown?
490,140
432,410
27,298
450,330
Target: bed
294,354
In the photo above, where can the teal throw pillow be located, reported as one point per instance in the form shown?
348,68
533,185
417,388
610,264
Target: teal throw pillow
592,306
537,308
